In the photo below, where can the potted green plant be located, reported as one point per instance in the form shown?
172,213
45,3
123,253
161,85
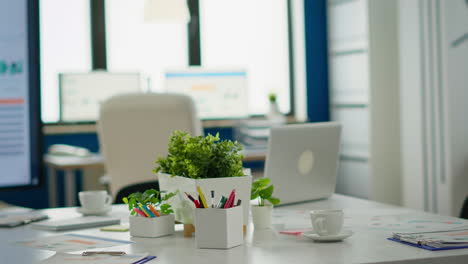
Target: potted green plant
150,213
274,114
262,192
206,162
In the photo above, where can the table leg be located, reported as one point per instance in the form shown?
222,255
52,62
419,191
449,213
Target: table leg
52,179
70,188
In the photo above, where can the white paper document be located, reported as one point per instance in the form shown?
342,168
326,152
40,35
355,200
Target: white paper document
71,242
76,223
66,258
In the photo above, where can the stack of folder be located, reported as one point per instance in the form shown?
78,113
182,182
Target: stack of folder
436,240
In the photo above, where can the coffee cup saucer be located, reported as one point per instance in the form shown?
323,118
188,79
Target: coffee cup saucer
316,237
87,212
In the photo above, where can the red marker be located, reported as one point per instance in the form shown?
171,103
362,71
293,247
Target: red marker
139,212
230,200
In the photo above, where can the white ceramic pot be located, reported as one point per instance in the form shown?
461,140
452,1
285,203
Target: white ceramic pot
151,226
261,216
222,186
218,228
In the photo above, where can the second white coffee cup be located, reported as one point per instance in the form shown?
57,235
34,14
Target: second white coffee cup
94,201
327,222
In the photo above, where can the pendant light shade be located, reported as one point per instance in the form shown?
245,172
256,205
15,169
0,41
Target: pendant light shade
166,11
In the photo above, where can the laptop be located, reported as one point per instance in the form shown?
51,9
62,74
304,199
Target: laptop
302,161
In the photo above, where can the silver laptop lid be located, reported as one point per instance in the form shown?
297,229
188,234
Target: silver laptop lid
302,161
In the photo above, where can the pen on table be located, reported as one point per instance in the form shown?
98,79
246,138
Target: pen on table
197,204
200,204
222,201
202,197
190,197
144,260
148,210
212,199
139,212
112,253
144,210
155,212
216,204
230,199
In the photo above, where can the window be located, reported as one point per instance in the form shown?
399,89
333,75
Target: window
251,35
133,45
65,46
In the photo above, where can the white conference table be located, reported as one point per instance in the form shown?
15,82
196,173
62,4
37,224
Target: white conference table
366,245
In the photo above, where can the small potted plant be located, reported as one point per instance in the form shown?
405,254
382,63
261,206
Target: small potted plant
206,162
262,191
274,114
150,214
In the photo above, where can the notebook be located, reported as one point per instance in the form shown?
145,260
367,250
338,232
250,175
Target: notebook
12,220
75,223
436,240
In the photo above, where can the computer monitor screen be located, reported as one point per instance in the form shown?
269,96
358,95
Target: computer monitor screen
20,126
218,94
82,93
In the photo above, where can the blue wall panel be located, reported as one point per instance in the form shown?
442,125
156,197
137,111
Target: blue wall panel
318,102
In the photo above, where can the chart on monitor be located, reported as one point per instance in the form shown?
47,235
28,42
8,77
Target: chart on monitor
19,94
81,94
217,93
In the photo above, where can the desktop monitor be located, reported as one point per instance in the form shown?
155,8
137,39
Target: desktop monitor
218,94
20,124
82,93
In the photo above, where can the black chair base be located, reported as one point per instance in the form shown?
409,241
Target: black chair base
137,187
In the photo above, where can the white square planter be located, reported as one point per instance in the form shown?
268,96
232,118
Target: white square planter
151,226
218,228
222,186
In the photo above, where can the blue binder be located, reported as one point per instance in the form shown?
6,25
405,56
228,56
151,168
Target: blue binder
425,246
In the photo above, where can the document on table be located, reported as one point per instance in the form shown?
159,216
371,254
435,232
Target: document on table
66,258
71,242
410,224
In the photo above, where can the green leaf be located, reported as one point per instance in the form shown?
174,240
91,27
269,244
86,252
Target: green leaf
125,200
274,201
261,183
254,194
267,192
166,209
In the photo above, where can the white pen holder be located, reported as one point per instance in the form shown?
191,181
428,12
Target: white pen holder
152,226
218,228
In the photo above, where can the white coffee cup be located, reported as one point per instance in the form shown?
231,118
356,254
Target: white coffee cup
94,201
327,222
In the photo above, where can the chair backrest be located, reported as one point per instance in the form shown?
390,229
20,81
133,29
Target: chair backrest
137,187
134,130
464,210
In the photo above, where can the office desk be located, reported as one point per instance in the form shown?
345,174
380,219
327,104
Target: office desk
70,165
264,246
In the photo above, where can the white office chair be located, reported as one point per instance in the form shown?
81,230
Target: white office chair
134,130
